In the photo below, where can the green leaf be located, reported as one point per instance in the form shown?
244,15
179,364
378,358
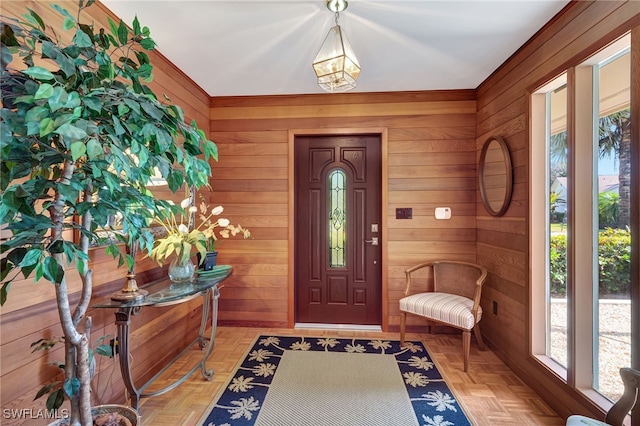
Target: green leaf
55,400
142,57
45,91
118,126
71,131
151,109
135,106
46,389
66,65
82,39
51,270
33,128
105,350
92,103
147,44
174,180
122,109
106,71
46,126
114,29
94,149
37,18
39,271
73,101
71,386
37,113
178,111
39,73
58,99
5,268
27,99
136,25
4,292
68,23
62,11
63,119
78,149
31,258
8,38
145,70
56,247
81,267
72,51
88,30
123,33
5,56
210,150
27,270
49,50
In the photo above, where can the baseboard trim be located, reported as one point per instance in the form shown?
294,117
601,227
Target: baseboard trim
355,327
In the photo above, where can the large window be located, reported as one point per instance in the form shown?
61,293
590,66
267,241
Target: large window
613,159
580,216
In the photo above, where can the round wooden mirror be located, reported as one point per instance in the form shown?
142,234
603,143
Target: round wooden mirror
496,176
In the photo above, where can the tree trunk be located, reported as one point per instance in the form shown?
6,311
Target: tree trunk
76,357
76,343
624,175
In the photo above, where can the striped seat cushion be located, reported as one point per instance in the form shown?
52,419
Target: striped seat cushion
446,308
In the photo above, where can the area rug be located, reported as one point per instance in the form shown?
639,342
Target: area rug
299,381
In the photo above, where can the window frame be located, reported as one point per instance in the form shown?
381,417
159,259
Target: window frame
582,326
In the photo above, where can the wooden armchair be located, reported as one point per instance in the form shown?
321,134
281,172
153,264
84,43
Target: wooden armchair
454,301
619,410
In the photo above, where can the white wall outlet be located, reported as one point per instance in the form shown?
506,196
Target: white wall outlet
443,213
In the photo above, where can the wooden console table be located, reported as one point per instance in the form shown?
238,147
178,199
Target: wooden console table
164,293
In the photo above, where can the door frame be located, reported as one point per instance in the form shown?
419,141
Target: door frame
384,189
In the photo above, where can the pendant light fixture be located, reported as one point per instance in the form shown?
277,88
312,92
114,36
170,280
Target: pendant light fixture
336,65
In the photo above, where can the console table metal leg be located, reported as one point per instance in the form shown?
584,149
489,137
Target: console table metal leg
209,309
123,320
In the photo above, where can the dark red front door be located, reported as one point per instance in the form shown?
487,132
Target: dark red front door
338,210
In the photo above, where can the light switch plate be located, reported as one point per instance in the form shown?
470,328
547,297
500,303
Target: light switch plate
404,213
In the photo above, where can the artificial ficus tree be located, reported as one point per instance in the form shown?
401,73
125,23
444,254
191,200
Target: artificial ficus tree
81,135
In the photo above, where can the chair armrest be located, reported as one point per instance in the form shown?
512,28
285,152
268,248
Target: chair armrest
478,292
408,273
631,380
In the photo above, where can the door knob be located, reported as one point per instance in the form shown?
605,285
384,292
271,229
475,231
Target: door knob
373,241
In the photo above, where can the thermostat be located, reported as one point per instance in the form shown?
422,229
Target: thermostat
443,213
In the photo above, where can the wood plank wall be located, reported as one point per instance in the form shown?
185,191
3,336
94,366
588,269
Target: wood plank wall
431,162
503,243
30,313
434,139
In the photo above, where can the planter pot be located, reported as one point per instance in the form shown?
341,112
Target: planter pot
209,261
181,273
126,415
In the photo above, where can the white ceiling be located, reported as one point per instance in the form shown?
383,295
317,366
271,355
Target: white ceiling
244,47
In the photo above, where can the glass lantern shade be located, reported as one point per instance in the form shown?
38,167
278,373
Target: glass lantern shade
336,65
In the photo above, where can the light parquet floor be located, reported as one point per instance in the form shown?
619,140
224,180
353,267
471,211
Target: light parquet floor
491,393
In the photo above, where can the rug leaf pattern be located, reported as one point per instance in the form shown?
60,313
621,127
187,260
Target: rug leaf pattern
241,401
